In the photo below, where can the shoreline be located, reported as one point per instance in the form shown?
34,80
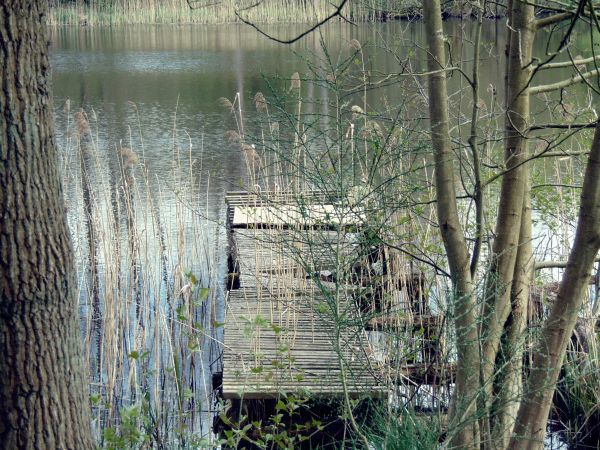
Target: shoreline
276,12
88,17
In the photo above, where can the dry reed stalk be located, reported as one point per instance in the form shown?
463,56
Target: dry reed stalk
86,158
139,329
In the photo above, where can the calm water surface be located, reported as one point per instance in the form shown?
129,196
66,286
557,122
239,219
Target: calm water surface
144,81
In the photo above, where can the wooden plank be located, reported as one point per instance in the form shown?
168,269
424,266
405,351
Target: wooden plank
245,198
298,216
401,322
276,336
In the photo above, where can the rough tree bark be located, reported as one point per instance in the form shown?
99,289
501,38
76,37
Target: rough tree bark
550,352
43,400
462,420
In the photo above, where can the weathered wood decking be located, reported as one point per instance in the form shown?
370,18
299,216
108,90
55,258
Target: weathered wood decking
287,328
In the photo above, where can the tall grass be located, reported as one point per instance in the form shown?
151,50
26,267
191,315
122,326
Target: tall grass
150,284
95,13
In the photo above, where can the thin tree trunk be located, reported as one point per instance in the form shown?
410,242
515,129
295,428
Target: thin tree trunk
43,399
552,345
510,385
465,434
500,276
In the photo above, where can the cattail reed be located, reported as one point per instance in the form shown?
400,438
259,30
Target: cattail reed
86,164
128,163
145,330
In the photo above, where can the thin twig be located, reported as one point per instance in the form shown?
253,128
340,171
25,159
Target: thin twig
336,13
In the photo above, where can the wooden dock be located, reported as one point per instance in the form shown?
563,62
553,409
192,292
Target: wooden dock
288,328
306,312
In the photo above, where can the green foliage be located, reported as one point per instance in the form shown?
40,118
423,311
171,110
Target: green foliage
404,430
294,420
132,430
577,399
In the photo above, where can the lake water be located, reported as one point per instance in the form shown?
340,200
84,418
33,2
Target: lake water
144,82
155,212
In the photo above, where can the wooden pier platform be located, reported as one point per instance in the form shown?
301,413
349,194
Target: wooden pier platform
287,328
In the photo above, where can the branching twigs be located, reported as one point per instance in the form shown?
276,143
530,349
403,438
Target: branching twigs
564,41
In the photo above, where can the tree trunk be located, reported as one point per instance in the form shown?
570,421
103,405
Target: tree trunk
552,345
463,425
508,394
497,305
43,400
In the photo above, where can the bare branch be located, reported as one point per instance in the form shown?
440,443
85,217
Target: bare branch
563,154
551,20
556,185
562,126
427,261
553,264
477,193
559,65
336,13
564,83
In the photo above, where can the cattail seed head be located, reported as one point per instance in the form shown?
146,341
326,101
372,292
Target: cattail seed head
260,102
225,103
295,81
232,136
81,123
355,44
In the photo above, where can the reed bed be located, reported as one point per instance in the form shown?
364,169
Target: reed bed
121,12
150,286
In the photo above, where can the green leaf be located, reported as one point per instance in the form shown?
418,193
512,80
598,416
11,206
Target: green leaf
191,277
261,321
203,294
280,405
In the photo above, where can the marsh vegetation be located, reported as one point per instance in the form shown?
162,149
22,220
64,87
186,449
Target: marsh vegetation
151,139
